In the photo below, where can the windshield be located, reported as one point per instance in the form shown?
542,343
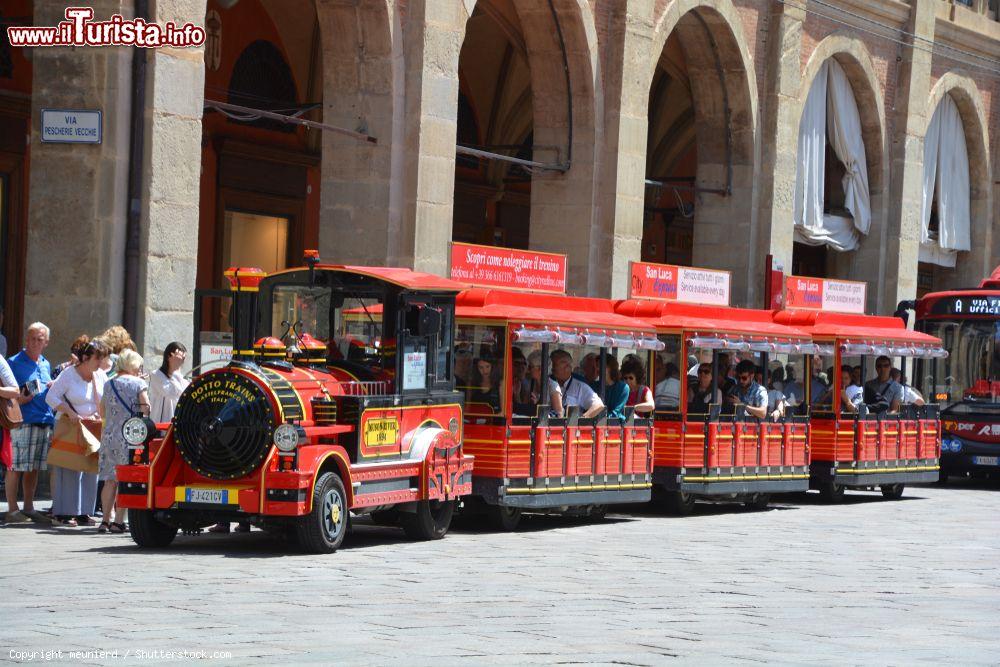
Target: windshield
973,357
356,325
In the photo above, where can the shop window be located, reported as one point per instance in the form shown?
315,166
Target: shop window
251,239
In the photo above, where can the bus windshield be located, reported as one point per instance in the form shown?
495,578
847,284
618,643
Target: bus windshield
974,355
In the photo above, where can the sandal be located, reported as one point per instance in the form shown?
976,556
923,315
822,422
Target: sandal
104,527
118,528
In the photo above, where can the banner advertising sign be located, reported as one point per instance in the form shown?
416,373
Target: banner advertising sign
666,282
487,266
842,296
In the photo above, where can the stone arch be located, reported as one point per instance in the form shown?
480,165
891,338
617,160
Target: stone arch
724,100
560,202
362,91
851,54
977,263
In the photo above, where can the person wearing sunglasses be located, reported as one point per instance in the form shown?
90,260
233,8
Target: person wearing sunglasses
701,394
750,393
882,393
640,398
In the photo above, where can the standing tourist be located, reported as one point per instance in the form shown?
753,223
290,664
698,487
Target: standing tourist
9,390
124,397
167,384
33,375
76,393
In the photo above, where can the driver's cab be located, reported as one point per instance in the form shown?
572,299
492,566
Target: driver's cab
378,331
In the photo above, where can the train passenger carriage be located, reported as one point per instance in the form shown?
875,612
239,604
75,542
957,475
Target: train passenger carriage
530,456
316,417
708,444
860,441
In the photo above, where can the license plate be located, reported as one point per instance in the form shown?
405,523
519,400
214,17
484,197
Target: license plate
986,460
209,496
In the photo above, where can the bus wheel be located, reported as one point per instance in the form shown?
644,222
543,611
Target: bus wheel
892,491
678,503
831,492
757,502
430,521
503,518
322,531
149,532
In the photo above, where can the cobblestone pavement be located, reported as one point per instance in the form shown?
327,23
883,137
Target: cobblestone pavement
869,581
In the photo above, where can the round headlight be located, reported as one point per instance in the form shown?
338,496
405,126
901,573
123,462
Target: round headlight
135,430
286,437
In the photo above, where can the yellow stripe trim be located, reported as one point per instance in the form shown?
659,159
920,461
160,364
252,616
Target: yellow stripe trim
742,477
535,490
867,471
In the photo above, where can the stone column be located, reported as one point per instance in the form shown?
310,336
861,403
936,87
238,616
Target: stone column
902,243
780,111
361,62
175,81
434,33
76,217
621,196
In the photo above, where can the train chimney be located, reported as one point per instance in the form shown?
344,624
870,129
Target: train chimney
244,284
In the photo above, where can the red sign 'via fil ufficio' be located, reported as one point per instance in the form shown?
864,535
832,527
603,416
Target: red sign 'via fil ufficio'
506,268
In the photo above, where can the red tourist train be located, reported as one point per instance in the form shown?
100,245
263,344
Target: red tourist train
531,455
716,449
402,396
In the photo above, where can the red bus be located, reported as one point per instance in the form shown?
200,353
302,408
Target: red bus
967,382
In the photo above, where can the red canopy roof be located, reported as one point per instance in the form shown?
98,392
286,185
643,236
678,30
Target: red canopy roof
822,324
545,309
675,316
405,278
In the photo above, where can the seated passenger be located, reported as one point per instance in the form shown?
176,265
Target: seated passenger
851,394
881,393
749,393
590,370
535,390
910,395
668,392
575,392
776,389
702,394
616,393
639,396
483,386
520,384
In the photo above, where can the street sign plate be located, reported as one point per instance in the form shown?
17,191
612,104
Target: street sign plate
71,126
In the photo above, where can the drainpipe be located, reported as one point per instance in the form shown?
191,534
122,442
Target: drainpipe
137,138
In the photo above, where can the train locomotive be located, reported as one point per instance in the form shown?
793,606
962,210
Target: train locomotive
318,416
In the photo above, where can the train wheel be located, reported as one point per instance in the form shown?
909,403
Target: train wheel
758,502
504,518
149,532
430,521
599,512
892,491
322,531
678,503
831,492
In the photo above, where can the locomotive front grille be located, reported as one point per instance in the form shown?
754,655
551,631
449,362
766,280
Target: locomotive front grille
324,411
224,425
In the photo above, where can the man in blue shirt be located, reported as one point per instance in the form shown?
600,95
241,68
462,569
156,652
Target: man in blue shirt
31,441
